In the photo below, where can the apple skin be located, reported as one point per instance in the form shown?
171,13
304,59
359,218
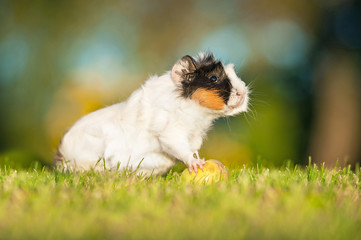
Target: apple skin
213,171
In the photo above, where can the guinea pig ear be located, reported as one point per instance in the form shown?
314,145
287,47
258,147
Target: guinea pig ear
182,68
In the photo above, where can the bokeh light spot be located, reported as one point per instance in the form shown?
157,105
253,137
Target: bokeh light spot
228,44
284,44
14,52
100,56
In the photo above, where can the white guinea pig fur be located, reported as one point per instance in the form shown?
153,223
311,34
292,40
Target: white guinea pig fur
163,121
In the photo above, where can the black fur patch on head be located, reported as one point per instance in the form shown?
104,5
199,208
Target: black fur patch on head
209,74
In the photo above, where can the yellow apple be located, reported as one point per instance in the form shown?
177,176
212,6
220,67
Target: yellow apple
213,171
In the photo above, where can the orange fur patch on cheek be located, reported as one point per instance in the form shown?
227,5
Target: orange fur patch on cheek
208,98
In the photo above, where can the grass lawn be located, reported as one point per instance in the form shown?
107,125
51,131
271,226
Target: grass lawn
256,203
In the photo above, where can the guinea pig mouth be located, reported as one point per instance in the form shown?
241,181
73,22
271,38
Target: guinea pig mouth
237,104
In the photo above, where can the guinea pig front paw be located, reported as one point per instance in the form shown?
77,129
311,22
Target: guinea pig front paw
194,164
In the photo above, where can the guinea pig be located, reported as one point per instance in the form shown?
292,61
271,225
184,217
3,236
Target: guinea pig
162,122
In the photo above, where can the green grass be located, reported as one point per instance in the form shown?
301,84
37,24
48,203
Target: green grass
256,203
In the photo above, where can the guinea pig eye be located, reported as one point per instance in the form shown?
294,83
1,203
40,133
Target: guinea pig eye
213,78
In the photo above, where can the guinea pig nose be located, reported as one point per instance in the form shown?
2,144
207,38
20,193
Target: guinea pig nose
239,94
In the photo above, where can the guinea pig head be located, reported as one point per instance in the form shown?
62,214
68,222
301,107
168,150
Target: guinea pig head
210,83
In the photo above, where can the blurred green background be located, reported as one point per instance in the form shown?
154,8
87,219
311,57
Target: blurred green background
62,59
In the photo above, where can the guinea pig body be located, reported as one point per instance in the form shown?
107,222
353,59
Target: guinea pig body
163,121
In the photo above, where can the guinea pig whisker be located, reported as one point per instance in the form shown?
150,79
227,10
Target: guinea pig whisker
227,121
259,102
246,117
253,113
250,85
